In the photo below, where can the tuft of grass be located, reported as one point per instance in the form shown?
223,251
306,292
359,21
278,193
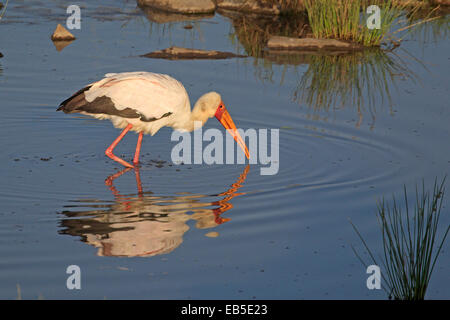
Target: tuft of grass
346,20
410,242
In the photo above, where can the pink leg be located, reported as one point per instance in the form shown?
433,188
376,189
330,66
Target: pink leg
111,178
138,181
109,151
138,149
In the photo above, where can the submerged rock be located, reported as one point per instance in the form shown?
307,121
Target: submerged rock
177,53
61,44
253,6
212,234
287,43
61,34
181,6
161,16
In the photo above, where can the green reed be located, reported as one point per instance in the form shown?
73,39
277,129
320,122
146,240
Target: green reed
410,242
346,20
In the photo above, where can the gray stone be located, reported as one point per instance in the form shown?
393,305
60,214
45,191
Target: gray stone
253,6
181,6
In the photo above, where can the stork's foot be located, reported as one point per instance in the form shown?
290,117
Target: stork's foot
109,154
109,181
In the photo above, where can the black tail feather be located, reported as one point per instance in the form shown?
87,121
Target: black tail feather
100,105
73,102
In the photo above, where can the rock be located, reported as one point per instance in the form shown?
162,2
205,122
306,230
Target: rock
160,16
1,55
287,43
177,53
181,6
61,44
212,234
253,6
61,34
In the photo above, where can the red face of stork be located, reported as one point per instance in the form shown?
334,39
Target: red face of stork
225,119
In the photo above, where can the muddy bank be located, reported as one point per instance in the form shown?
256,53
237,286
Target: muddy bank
181,6
288,43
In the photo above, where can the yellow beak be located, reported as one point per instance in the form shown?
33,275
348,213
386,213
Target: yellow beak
225,119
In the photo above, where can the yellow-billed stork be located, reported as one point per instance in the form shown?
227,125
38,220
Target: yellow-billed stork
145,102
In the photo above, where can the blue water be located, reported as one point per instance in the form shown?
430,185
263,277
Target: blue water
199,231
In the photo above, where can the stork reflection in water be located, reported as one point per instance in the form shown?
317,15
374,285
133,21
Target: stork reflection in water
145,224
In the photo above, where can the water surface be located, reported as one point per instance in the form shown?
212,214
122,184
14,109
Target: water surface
198,231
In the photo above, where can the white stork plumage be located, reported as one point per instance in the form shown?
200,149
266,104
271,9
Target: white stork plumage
145,102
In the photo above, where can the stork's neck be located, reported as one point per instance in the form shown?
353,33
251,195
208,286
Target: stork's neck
205,108
194,119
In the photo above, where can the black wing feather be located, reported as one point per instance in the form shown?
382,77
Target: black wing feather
100,105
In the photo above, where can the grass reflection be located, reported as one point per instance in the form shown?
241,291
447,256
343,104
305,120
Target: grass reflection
435,30
362,80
